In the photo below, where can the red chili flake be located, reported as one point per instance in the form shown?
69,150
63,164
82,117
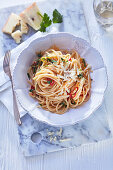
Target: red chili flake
69,59
34,62
75,92
48,79
70,95
32,87
52,83
67,98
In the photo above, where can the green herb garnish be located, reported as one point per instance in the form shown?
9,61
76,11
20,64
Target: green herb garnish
39,55
34,69
28,76
40,104
31,90
40,63
80,76
84,62
46,22
62,59
53,61
73,102
43,58
49,81
57,17
64,104
48,59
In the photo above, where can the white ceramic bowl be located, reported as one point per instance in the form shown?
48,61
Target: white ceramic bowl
63,41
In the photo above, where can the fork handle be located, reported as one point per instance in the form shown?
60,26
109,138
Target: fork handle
15,108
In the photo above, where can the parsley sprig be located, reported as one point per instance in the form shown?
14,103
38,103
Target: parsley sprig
46,21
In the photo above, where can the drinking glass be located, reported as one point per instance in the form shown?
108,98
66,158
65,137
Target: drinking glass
103,10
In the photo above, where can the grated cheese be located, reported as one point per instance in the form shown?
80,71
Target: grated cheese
65,139
50,133
59,133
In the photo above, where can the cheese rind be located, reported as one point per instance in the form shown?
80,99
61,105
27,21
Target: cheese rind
31,17
17,35
12,22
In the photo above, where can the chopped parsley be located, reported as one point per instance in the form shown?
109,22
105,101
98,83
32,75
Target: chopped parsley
39,55
28,76
49,81
53,61
73,102
34,69
63,104
80,76
48,59
31,90
84,62
43,59
62,59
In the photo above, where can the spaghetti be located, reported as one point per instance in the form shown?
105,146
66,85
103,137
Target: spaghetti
59,80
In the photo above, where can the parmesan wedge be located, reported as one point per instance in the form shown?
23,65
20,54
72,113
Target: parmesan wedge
17,35
12,22
31,16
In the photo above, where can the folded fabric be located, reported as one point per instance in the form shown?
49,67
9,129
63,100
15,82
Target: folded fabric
6,96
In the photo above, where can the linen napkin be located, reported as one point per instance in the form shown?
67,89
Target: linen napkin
6,96
102,40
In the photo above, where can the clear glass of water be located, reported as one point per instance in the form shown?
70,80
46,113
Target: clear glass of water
103,10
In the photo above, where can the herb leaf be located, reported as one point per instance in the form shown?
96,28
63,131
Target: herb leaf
34,69
64,104
31,90
73,102
46,22
84,62
28,76
39,55
53,61
49,81
80,76
62,59
57,17
48,59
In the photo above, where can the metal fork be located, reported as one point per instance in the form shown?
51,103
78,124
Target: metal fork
6,67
